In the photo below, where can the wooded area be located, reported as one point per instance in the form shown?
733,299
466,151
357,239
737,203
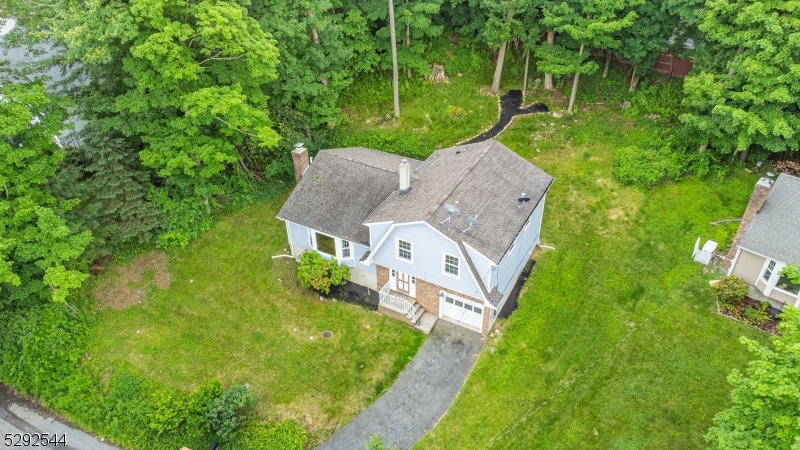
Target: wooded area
188,104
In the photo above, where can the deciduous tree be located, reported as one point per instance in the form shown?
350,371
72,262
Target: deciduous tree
37,246
753,102
766,398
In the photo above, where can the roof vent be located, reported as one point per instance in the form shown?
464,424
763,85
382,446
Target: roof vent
405,176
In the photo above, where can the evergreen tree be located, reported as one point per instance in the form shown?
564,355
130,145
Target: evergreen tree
114,192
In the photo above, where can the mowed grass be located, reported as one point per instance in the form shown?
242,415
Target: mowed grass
590,359
235,314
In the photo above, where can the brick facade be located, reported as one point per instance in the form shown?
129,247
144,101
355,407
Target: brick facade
428,296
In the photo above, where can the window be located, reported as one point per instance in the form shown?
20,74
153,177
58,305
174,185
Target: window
325,244
345,249
785,284
477,310
450,265
448,300
404,250
768,272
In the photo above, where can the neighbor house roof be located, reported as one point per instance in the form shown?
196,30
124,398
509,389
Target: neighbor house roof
341,188
775,231
483,180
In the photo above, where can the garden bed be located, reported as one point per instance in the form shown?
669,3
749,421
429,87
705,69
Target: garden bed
753,313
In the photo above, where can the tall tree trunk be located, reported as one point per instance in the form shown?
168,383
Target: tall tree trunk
702,148
501,55
634,79
548,77
408,42
744,154
608,63
315,40
574,86
738,52
395,81
525,77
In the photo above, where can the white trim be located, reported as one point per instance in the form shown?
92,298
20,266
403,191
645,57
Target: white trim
397,250
735,260
314,243
444,266
289,235
350,247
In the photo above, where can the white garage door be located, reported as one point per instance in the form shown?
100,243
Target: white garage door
463,311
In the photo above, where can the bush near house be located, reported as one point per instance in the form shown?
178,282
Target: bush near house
730,289
320,274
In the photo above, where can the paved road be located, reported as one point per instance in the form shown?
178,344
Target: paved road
421,394
18,415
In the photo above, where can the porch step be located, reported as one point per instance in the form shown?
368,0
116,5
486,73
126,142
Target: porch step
417,314
426,322
414,308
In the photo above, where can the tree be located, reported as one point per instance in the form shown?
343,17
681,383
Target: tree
500,28
416,17
646,38
753,101
38,249
766,398
104,173
589,23
395,81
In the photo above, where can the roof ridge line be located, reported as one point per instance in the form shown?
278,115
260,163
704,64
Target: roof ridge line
438,204
361,162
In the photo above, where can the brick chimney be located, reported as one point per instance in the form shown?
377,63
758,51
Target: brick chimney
300,161
757,199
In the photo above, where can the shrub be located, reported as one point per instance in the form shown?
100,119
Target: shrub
730,289
757,316
792,272
320,274
635,166
231,411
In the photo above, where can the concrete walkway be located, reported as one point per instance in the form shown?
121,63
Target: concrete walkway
421,394
18,416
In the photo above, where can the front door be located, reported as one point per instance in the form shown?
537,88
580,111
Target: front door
403,283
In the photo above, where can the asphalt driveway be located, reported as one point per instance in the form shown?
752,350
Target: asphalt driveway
421,394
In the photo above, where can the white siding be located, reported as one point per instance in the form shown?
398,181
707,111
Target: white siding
299,236
428,247
482,265
513,261
376,232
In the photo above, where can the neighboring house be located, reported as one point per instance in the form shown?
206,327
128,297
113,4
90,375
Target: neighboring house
385,217
768,238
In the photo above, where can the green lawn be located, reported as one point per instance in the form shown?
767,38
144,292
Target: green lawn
234,313
620,254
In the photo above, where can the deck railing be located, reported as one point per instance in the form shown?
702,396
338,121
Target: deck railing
394,302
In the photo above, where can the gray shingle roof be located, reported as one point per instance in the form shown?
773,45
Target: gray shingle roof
775,232
341,188
486,179
345,188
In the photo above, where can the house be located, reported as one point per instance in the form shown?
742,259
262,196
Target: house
768,238
445,238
